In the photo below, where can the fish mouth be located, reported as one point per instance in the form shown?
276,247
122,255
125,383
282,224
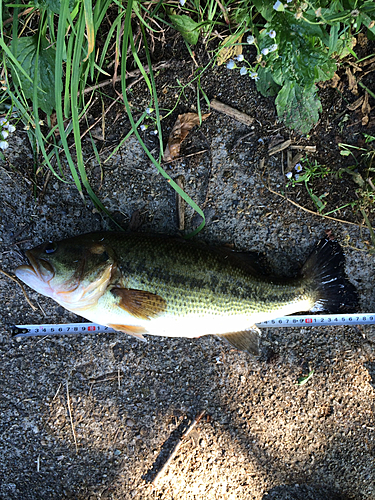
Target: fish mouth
38,274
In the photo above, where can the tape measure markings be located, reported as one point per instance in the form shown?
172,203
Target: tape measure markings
21,331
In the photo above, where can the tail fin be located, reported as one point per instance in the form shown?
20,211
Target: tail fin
325,267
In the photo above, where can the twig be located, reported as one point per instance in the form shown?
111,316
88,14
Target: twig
280,147
34,308
180,204
70,416
176,448
233,113
372,234
48,176
237,143
23,13
310,211
188,156
100,117
310,149
57,392
129,74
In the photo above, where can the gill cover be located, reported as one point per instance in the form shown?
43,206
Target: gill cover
74,272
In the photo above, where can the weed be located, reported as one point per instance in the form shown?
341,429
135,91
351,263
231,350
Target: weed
361,173
306,175
48,69
50,52
308,39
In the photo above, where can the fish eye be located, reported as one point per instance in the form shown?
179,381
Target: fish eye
50,248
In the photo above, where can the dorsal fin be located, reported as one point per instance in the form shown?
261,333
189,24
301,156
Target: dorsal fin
139,303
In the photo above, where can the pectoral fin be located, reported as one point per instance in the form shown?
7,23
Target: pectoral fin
248,340
139,303
135,331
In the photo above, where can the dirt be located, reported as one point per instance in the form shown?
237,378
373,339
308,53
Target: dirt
97,416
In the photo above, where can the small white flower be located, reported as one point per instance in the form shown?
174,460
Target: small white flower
4,133
265,51
273,47
298,167
250,39
4,145
278,6
182,2
4,122
231,64
11,128
143,127
155,132
243,71
271,34
289,175
254,76
149,110
240,58
296,177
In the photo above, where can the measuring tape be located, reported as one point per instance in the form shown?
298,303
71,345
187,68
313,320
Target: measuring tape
21,331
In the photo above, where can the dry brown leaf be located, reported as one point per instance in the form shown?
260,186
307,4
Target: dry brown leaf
370,69
366,62
352,81
229,48
354,105
335,80
335,83
366,109
181,128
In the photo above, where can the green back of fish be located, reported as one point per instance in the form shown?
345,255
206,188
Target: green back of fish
196,278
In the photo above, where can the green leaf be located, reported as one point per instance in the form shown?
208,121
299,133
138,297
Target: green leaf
25,52
266,84
333,37
188,28
325,70
318,202
265,9
303,380
298,107
53,5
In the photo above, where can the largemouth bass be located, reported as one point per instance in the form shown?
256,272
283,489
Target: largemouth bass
140,283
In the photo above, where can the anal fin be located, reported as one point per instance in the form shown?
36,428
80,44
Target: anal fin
247,340
134,331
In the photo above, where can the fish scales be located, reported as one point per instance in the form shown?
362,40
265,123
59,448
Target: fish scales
140,283
192,276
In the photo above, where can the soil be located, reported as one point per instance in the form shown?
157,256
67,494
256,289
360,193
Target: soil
96,416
